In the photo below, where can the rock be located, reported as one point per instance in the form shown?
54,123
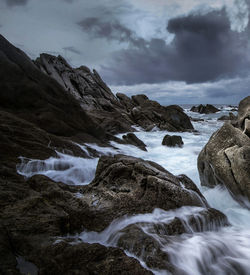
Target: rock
128,185
138,238
140,99
204,109
172,141
83,258
231,116
126,101
244,116
87,87
39,99
226,160
131,138
148,113
196,119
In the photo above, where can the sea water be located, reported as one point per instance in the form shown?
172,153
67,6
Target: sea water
219,250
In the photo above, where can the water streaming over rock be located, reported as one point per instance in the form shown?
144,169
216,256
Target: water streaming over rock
208,249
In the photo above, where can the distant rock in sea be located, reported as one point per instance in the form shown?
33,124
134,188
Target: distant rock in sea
204,109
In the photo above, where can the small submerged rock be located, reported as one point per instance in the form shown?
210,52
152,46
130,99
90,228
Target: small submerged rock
131,138
172,141
231,116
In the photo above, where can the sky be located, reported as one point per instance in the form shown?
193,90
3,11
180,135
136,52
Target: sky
174,51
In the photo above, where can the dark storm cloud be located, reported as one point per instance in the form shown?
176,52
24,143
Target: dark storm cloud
111,30
72,49
204,49
11,3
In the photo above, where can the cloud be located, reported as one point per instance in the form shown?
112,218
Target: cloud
72,49
11,3
110,30
204,48
224,91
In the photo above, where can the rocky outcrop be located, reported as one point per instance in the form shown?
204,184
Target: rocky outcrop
115,114
86,86
204,109
131,138
149,114
172,141
226,160
39,99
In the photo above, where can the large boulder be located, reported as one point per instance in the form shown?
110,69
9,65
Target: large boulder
226,160
244,116
172,141
127,185
204,109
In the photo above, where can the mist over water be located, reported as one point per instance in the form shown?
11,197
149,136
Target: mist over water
217,250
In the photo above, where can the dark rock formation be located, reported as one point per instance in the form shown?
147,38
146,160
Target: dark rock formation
113,114
37,98
204,109
83,258
231,116
128,185
172,141
226,160
131,138
86,86
149,114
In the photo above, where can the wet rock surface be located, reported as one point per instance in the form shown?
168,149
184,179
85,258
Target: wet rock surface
131,138
127,185
172,141
204,109
146,240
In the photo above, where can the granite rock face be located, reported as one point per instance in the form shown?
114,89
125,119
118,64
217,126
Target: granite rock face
226,157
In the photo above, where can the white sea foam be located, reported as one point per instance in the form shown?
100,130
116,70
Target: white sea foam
225,251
